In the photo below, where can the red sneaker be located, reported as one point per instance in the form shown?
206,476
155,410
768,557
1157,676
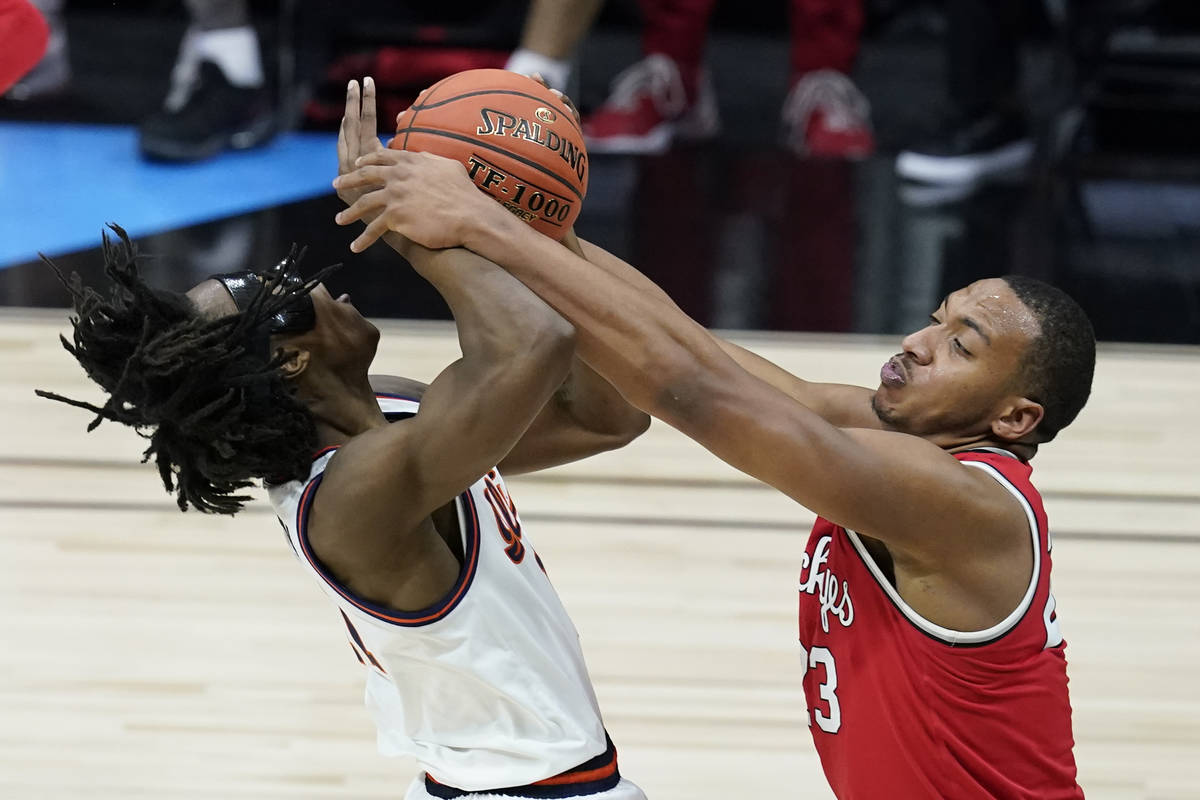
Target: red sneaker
826,116
648,108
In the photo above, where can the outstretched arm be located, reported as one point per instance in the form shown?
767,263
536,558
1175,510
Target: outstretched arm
838,404
515,352
369,522
587,415
584,417
671,367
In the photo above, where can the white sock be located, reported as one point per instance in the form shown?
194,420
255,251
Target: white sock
528,62
235,51
48,7
183,75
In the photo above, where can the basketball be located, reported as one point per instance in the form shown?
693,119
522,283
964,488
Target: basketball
519,142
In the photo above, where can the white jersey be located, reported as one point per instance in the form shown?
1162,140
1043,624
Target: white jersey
488,687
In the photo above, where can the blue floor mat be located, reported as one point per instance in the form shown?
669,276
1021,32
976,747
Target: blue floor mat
59,184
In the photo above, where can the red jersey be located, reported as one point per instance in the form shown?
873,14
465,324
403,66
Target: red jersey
902,708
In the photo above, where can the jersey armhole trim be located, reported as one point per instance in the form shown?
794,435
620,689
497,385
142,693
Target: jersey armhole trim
395,415
948,635
996,451
409,619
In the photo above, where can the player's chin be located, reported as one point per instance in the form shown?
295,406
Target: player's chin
362,346
358,332
886,412
372,336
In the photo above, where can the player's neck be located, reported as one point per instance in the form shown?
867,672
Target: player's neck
342,409
1021,450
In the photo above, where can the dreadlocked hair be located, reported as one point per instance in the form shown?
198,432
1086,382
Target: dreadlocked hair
216,412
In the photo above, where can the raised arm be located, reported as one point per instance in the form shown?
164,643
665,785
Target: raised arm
515,352
585,415
369,522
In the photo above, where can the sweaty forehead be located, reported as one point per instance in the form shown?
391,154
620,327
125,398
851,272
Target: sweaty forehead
992,303
212,299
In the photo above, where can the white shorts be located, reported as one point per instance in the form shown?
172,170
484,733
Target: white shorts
622,791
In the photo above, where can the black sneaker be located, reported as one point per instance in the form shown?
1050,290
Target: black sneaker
215,116
994,144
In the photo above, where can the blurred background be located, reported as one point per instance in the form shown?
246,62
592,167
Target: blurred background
792,165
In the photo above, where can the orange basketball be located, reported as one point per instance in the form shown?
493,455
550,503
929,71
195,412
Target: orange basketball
519,142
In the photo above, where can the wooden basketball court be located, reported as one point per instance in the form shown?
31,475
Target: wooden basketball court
146,653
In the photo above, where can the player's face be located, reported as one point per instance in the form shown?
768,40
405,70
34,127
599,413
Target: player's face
957,374
341,337
338,337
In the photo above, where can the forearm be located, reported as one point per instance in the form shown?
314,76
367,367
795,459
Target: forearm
841,405
647,349
584,396
595,404
655,355
497,318
622,270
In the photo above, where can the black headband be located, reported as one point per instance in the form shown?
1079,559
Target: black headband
298,317
246,287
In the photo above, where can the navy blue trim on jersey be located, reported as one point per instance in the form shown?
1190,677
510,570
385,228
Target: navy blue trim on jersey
324,451
396,416
596,775
406,619
287,537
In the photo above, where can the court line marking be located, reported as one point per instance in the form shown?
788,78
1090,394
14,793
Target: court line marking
588,519
620,480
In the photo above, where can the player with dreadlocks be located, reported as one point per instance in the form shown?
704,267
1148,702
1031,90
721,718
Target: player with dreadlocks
217,412
388,489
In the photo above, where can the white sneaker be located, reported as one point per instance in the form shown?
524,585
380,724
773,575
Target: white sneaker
826,116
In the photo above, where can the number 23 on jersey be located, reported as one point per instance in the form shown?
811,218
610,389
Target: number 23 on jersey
827,711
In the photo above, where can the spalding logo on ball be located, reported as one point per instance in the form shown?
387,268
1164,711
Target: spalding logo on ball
519,142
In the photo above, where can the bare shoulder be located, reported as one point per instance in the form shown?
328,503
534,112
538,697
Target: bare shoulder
368,477
366,507
1001,503
936,507
394,384
370,526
